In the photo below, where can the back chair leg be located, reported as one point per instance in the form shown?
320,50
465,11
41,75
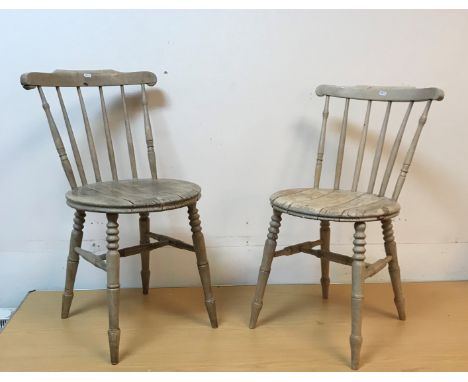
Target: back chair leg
265,267
359,251
202,263
113,285
393,267
324,263
76,238
145,239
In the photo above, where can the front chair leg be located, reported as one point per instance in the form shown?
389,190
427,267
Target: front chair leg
145,239
393,267
324,263
359,251
76,238
113,285
202,263
265,267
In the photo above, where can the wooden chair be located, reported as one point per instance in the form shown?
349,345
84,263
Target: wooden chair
350,205
118,196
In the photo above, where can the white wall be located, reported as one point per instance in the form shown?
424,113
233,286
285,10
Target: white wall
236,112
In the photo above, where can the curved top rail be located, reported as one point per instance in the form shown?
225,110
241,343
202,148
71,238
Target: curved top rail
75,78
381,93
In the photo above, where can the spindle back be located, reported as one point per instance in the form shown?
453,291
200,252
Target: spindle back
99,79
374,94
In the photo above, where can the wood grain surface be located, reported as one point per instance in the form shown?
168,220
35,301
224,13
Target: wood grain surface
167,330
335,205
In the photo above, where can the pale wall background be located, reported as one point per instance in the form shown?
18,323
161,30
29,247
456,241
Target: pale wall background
236,112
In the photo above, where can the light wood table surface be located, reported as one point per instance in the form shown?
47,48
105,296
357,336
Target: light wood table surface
167,330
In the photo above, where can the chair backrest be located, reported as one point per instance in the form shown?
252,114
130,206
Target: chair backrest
374,94
98,79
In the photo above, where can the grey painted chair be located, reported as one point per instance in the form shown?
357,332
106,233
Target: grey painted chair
350,205
118,196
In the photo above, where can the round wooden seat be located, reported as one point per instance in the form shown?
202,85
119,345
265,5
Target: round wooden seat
334,205
129,196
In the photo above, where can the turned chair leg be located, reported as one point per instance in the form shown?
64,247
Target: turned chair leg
202,263
359,251
393,267
265,267
76,238
145,239
324,263
113,285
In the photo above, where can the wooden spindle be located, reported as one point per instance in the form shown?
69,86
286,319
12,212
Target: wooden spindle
113,285
202,263
410,152
265,267
324,262
379,149
339,158
362,145
321,149
57,140
148,134
110,147
394,152
393,267
144,225
71,136
89,136
76,239
128,131
357,293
